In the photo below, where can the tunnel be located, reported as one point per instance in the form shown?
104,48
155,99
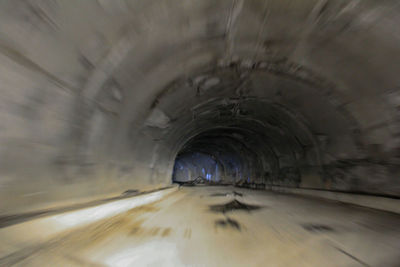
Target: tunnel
101,98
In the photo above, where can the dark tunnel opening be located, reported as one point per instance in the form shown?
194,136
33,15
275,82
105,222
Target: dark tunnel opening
251,143
192,166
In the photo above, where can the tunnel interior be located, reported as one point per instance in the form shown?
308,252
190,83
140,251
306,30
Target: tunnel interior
199,133
293,94
256,126
248,141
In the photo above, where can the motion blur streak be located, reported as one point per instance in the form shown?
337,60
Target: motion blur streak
85,216
200,133
144,256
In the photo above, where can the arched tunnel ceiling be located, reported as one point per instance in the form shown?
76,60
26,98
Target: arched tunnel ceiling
105,94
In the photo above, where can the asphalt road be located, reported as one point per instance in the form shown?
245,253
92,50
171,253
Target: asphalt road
225,226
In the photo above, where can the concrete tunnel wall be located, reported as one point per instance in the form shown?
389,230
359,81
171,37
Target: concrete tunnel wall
98,97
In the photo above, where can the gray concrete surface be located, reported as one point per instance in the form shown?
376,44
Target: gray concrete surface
193,227
368,201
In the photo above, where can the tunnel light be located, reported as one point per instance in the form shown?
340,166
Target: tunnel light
89,215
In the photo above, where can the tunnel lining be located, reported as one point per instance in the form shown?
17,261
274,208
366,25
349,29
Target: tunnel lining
89,142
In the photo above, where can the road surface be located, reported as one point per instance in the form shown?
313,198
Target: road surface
226,226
